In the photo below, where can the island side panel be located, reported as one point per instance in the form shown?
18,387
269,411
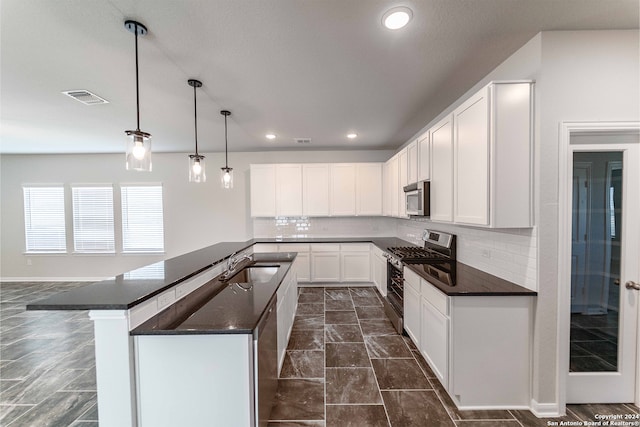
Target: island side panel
491,339
185,379
114,368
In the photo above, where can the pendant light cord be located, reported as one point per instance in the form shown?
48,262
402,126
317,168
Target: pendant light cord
137,84
195,116
226,153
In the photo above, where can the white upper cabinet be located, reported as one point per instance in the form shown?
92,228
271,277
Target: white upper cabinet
424,157
471,160
318,189
343,189
442,170
492,157
369,189
394,185
315,189
412,162
386,188
403,177
263,190
289,190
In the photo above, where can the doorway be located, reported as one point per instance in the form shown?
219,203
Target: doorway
599,263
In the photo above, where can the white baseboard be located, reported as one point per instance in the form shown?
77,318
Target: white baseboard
545,410
52,279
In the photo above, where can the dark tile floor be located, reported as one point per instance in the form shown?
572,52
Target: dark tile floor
344,367
594,342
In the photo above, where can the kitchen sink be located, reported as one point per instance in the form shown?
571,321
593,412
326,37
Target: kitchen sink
254,274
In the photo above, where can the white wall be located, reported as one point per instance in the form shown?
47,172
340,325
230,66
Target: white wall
586,76
196,215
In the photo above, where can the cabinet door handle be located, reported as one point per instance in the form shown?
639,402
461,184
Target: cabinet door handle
632,285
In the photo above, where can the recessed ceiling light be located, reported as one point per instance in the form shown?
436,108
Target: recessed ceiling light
352,135
270,136
397,17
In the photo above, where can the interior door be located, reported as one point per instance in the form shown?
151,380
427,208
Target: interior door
603,347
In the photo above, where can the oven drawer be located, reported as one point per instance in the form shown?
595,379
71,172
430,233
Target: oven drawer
412,279
433,295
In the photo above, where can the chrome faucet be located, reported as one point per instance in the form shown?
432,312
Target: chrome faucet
232,263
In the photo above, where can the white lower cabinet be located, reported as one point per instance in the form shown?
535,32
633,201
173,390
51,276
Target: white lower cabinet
334,262
355,262
412,305
303,268
325,267
434,339
379,270
479,347
355,267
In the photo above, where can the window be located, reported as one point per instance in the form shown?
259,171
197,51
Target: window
44,219
142,219
93,219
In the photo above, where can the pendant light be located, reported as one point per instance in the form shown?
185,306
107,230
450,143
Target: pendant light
138,153
196,161
226,173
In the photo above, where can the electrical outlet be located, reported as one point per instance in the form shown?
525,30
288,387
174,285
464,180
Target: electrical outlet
29,261
166,299
486,253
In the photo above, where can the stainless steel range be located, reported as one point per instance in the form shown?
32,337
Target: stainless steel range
439,250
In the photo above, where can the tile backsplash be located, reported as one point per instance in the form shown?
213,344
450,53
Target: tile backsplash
507,253
323,227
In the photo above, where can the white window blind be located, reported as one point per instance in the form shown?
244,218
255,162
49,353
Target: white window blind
142,219
44,219
93,219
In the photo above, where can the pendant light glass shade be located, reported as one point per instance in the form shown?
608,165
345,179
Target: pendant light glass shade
226,178
138,153
197,173
226,173
138,150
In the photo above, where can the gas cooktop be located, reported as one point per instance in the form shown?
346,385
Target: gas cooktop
416,255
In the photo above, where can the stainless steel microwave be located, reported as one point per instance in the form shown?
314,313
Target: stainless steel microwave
417,198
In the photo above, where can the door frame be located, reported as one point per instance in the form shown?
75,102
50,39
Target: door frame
565,163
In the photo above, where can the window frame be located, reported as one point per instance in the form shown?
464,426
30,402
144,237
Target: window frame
74,233
124,219
27,228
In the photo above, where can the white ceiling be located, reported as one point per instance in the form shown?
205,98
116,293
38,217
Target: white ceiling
298,68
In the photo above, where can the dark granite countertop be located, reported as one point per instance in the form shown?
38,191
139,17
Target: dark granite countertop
222,307
470,281
127,290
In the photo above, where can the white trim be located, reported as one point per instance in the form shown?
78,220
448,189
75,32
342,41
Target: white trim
53,279
564,243
545,410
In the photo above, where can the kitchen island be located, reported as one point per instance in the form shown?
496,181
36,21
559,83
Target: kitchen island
143,324
120,306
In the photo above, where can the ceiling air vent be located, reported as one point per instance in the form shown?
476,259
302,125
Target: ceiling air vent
302,140
85,97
